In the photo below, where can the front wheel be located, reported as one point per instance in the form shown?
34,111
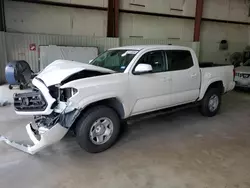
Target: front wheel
98,129
210,104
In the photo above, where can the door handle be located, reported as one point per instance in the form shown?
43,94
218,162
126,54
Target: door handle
193,75
168,79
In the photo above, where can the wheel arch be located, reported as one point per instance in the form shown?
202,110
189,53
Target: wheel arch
214,84
113,103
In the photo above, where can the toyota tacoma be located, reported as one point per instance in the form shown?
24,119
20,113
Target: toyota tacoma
92,99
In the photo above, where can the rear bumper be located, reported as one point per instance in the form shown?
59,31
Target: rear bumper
243,85
47,137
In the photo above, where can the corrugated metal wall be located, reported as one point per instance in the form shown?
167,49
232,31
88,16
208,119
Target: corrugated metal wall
3,57
18,45
140,41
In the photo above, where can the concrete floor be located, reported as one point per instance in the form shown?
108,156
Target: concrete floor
182,150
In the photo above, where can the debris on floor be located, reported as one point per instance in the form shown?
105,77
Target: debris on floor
4,102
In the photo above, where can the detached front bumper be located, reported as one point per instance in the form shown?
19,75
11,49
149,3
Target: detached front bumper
51,122
47,137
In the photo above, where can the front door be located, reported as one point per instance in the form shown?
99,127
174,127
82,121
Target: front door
152,90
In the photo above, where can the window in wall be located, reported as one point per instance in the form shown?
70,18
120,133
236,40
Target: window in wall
156,59
179,59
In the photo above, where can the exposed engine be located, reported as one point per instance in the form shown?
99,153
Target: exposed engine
46,121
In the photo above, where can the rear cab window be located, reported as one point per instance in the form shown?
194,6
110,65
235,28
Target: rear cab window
179,60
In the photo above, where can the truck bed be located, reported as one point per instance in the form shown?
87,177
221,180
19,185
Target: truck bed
211,64
211,72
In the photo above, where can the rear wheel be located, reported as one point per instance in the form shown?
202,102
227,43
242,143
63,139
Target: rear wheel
98,129
210,104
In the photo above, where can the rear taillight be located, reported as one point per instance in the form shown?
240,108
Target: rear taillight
234,73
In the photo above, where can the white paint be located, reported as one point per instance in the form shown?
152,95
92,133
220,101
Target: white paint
186,83
137,93
61,69
55,134
143,68
214,74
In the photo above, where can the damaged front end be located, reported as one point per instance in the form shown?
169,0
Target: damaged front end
52,103
53,116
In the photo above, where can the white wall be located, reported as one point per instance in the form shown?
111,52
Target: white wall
134,25
35,18
161,6
233,10
212,33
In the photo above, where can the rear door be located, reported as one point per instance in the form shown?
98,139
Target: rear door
185,76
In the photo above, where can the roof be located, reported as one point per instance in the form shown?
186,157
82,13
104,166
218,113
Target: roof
146,47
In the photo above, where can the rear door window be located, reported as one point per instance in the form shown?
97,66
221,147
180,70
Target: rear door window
179,60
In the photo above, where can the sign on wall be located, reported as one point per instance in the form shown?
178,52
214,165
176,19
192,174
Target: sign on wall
32,47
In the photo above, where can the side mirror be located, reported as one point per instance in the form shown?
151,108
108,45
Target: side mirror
143,69
90,61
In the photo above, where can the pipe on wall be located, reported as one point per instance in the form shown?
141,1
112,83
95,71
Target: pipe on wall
113,18
116,18
2,16
198,18
110,22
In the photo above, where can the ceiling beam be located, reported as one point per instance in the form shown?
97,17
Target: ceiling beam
70,5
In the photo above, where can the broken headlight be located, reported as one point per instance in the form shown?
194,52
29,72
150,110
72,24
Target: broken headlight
67,93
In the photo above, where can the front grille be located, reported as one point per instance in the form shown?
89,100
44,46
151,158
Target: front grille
32,101
242,75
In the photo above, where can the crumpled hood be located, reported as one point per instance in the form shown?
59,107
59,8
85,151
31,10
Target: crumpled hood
243,69
59,70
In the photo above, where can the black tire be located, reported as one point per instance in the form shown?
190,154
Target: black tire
10,87
85,123
205,110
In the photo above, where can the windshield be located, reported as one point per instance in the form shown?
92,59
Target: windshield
116,60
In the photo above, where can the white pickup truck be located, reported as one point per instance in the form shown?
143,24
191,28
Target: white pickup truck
92,99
